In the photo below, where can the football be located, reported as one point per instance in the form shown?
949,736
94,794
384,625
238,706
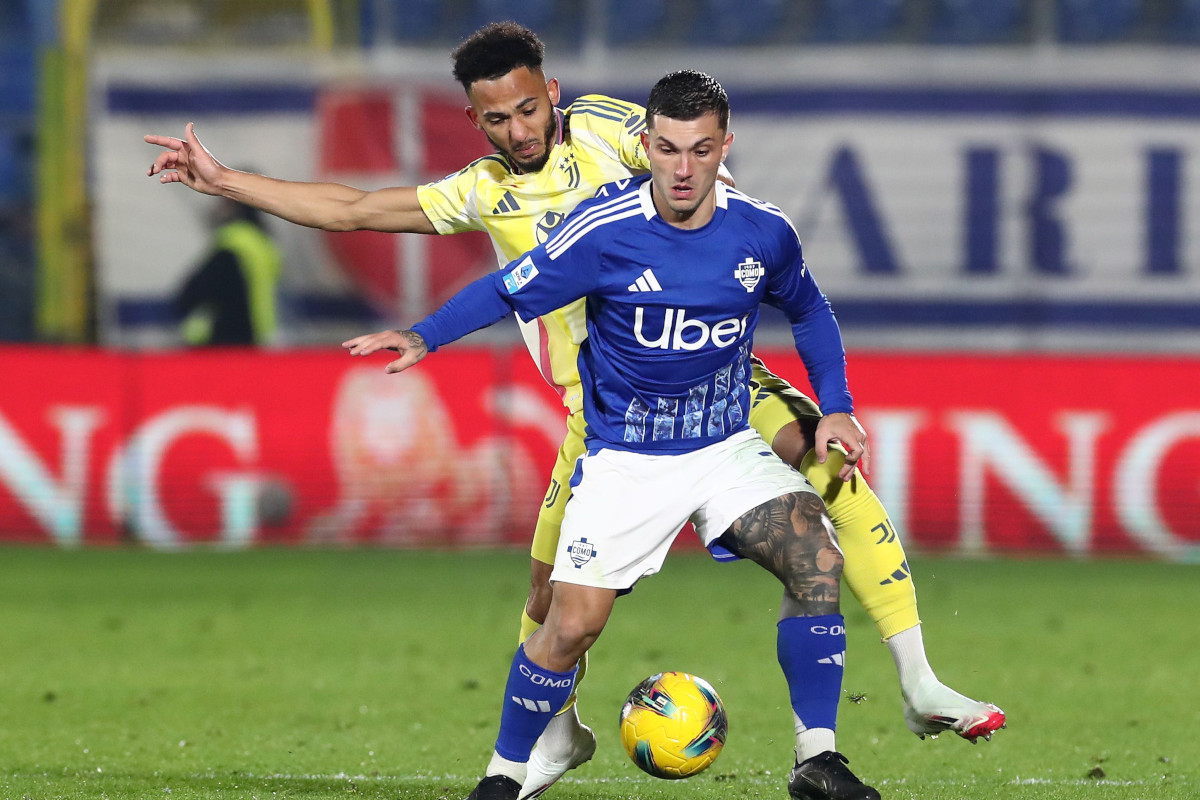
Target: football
673,725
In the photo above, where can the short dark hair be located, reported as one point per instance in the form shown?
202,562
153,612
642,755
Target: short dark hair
687,95
495,50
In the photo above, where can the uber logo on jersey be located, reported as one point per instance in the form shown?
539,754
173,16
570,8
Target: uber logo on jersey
748,273
680,333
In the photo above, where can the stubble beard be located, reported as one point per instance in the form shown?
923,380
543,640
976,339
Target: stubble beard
536,165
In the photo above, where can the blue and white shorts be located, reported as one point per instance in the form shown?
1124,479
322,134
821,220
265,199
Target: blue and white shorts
627,508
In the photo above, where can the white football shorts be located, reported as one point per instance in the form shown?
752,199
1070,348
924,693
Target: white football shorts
627,508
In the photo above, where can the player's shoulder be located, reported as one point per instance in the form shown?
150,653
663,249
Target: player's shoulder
603,114
614,204
759,211
490,167
614,197
760,215
601,106
744,204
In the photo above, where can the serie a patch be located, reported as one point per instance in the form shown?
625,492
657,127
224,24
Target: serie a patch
520,275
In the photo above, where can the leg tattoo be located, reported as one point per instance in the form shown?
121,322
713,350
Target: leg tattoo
792,538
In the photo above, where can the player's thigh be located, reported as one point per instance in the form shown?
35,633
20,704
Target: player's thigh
554,504
625,511
771,515
751,477
785,417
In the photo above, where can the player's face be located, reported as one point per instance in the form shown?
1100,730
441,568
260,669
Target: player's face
516,113
685,156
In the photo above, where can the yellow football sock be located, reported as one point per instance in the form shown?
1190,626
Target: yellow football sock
876,568
528,626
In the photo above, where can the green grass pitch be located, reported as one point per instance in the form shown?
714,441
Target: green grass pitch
379,673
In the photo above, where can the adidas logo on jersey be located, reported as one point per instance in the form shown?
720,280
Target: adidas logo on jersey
646,283
506,204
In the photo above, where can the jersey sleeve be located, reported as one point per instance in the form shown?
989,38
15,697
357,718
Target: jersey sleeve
451,203
532,285
792,289
611,125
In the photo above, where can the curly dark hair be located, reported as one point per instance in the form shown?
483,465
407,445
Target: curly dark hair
686,95
495,50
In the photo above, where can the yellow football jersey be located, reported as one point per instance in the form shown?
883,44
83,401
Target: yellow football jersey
599,141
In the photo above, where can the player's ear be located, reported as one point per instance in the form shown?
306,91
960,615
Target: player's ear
473,117
553,90
725,145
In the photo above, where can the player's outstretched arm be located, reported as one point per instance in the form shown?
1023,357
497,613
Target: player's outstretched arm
330,206
843,428
409,344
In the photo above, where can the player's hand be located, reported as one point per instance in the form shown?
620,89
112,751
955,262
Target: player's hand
844,429
408,344
186,161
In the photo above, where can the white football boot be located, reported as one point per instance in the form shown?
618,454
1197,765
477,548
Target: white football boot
936,708
565,744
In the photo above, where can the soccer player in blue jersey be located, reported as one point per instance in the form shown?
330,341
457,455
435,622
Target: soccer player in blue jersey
547,160
673,267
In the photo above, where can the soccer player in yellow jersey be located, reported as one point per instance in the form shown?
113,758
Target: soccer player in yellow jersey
547,160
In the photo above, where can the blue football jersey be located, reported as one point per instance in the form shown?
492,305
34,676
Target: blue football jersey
671,313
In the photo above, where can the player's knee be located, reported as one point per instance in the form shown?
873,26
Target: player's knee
817,536
792,442
821,476
570,638
813,584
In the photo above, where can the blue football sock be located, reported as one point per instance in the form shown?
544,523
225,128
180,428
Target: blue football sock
811,652
531,699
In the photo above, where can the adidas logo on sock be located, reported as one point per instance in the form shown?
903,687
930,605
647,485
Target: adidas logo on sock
646,283
836,658
532,705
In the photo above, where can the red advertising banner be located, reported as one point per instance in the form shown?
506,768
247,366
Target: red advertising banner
1074,453
236,447
973,453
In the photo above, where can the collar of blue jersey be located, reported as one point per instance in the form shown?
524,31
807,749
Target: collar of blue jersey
647,202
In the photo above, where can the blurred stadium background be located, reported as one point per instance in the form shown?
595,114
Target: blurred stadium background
1000,197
